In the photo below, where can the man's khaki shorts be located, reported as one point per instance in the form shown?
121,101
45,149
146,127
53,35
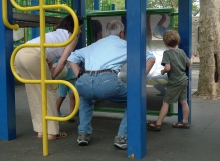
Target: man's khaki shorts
176,93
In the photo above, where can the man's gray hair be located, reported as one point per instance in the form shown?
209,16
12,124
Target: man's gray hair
114,28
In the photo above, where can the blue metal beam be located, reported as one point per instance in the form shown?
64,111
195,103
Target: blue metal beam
136,76
185,31
80,8
96,4
7,93
35,32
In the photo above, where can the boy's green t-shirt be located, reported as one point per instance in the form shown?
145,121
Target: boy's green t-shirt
178,62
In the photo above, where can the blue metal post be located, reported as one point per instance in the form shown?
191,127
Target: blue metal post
136,76
96,4
35,31
80,7
113,7
7,93
185,31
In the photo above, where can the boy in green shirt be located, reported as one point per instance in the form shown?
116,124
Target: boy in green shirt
174,62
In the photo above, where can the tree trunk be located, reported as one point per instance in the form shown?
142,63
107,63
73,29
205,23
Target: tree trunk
209,50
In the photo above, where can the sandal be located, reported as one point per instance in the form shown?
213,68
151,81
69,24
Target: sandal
153,126
53,137
181,124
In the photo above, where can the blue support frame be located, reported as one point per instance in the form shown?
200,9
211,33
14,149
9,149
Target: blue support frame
136,78
35,32
185,31
112,7
7,93
96,4
80,8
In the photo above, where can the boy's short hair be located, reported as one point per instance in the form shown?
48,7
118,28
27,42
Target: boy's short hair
171,38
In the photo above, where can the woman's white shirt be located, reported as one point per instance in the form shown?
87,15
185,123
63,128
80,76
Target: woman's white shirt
58,36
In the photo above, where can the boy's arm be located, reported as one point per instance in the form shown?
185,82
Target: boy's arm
165,62
191,60
166,69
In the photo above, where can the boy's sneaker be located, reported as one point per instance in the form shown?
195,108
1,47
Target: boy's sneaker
159,31
120,142
83,139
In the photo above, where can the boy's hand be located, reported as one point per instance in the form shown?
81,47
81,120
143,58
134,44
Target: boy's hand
162,72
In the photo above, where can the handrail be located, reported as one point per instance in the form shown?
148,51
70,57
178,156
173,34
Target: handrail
76,100
5,17
24,8
42,45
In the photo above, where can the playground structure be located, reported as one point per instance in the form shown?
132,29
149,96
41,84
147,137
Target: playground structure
135,99
156,83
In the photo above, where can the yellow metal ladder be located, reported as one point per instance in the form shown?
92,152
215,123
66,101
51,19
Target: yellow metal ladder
42,7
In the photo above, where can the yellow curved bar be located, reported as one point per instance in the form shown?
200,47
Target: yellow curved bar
12,60
43,80
76,25
5,17
24,8
77,101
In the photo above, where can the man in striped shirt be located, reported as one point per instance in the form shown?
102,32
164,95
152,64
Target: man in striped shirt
103,60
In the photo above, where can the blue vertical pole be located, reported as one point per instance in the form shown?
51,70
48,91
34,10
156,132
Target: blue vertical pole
185,31
7,93
136,76
80,7
113,7
96,5
35,31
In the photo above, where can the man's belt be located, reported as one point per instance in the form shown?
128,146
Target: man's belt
100,71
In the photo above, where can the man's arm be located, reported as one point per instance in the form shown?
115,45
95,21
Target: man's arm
150,60
149,64
75,67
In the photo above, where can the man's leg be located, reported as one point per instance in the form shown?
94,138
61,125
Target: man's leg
120,96
120,140
85,117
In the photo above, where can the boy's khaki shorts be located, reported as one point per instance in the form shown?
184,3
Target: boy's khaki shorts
176,93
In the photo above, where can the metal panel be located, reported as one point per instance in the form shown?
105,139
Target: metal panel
7,93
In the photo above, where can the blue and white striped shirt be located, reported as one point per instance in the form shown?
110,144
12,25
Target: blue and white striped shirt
107,53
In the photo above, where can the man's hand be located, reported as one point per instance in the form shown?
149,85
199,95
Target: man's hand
149,64
162,72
